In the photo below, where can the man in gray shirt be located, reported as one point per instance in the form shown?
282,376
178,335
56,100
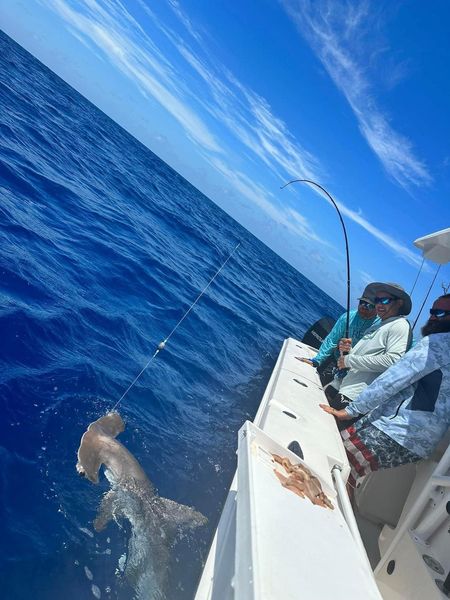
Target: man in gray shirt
379,348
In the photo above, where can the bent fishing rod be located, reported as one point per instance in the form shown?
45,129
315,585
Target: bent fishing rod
347,320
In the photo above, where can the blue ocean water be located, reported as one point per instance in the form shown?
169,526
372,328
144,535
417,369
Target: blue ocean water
103,247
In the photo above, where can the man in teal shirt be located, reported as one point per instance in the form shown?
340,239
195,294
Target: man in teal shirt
360,320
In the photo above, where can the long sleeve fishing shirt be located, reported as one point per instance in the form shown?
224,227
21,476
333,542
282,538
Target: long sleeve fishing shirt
357,328
378,349
410,402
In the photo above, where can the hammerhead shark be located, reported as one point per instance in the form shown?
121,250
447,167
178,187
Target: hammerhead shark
154,520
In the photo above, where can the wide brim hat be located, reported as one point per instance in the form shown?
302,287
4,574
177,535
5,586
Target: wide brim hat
395,290
367,295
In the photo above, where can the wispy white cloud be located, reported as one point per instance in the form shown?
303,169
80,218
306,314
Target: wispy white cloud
388,241
186,21
337,32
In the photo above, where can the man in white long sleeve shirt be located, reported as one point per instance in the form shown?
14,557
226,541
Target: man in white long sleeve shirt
379,348
407,408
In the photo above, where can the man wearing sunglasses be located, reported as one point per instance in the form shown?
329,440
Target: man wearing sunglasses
359,322
379,348
439,321
407,408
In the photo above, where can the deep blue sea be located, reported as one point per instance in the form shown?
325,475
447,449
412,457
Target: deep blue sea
103,247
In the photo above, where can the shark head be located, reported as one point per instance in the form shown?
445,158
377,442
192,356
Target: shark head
93,441
111,424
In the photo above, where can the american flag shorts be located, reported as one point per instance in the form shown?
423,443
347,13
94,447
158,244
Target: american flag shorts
369,449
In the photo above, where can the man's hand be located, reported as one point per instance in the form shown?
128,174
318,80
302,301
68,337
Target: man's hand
345,345
341,415
308,361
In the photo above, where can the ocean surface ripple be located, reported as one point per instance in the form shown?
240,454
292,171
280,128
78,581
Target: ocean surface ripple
103,247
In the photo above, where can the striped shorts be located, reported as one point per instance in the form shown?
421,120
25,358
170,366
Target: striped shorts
369,449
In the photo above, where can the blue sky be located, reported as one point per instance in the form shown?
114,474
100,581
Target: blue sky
240,97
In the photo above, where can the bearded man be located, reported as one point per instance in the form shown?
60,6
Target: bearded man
407,408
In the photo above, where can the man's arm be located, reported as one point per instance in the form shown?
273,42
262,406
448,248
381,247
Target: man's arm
331,341
412,367
396,347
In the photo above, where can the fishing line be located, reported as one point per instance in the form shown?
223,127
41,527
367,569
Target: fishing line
162,344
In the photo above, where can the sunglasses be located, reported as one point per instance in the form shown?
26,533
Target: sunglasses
385,301
439,313
367,305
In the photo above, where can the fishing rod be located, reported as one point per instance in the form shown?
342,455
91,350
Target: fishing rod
162,344
347,320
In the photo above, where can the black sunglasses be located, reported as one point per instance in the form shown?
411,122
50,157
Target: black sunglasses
439,313
366,304
384,300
